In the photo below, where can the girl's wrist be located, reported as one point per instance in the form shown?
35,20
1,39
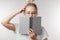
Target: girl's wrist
34,38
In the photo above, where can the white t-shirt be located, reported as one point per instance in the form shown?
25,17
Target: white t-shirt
24,37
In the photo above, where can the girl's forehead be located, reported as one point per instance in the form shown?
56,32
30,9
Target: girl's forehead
30,7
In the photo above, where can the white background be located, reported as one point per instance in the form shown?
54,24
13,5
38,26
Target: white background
49,10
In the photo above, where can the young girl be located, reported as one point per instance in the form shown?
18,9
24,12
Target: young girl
29,10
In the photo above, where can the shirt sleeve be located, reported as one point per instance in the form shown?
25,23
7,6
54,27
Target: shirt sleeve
16,27
44,33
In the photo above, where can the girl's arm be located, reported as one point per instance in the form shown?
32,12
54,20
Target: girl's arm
6,22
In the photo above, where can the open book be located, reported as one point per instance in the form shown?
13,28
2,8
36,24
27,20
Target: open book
27,23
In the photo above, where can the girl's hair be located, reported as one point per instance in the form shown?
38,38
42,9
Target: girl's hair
31,4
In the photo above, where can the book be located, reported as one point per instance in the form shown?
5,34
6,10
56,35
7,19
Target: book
27,23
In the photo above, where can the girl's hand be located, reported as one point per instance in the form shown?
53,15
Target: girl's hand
21,9
32,35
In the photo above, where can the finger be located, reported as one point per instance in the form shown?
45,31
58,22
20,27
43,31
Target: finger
31,30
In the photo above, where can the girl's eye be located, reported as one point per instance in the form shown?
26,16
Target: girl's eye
27,13
33,13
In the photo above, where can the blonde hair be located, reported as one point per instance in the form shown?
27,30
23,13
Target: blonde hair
31,4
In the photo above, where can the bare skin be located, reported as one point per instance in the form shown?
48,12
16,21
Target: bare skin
32,34
29,12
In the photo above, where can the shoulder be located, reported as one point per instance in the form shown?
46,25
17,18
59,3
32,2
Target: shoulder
43,29
44,32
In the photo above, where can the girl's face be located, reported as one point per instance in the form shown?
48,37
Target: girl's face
30,11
